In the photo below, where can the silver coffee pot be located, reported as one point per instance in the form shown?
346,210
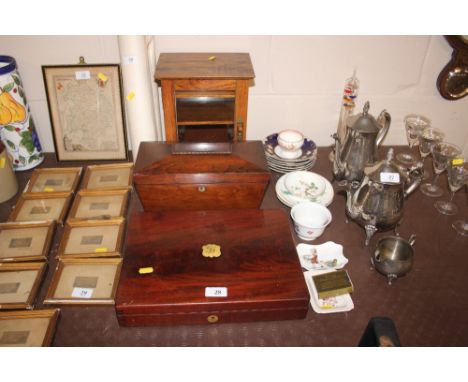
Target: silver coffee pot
359,147
376,203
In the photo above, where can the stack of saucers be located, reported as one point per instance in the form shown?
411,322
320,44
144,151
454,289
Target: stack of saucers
301,186
280,161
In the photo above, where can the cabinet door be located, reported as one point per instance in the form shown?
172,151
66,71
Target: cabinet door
205,110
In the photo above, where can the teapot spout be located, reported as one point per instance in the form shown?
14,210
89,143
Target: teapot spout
351,189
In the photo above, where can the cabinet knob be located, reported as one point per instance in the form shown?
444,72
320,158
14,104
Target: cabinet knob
201,188
212,318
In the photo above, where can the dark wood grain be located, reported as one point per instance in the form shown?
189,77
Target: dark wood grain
258,265
193,182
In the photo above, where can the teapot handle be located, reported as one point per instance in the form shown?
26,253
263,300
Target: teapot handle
384,120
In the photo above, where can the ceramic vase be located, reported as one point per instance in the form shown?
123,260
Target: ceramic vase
8,181
17,130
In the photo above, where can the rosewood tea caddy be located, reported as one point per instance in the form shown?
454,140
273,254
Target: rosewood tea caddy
201,176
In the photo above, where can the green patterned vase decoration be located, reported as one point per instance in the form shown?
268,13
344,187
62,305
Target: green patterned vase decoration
16,124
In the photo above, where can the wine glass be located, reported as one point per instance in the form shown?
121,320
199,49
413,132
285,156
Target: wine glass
428,138
414,126
457,171
461,226
442,154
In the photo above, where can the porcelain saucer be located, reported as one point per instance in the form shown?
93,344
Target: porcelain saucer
287,154
290,200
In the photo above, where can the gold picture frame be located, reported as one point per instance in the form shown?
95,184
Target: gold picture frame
28,327
86,111
41,206
92,238
97,205
54,180
19,284
108,176
26,241
85,282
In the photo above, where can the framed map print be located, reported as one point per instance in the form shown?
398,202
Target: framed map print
86,111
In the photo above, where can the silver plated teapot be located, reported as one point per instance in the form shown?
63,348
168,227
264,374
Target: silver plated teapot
359,147
377,202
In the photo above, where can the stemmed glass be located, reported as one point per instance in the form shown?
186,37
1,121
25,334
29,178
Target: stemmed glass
414,126
457,177
461,226
442,154
429,137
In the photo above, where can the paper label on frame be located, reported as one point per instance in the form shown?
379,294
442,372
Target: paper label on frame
82,292
82,75
216,292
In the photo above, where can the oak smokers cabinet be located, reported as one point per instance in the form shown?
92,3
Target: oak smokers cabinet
205,95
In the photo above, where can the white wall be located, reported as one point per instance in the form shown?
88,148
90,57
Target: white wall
31,52
299,79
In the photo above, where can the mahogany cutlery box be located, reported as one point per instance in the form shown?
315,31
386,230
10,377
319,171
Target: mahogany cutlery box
201,176
167,280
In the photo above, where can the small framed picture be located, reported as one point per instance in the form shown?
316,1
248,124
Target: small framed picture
28,327
54,180
19,284
96,205
108,176
26,241
85,282
92,238
41,206
86,111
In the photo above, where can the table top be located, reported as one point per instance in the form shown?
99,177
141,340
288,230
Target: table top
204,66
429,306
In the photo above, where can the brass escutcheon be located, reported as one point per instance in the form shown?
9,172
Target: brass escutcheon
213,318
201,188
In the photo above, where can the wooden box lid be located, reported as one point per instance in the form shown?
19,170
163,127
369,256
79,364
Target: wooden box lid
258,265
157,164
204,66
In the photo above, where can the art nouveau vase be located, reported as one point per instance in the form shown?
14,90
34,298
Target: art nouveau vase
17,130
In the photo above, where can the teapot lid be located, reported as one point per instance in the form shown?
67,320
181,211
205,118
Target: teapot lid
363,122
387,171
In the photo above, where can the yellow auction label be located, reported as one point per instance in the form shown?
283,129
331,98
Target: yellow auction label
130,96
102,77
2,162
49,189
457,161
101,249
145,270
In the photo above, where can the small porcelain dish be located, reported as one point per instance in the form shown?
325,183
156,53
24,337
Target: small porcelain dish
287,154
305,184
310,220
324,256
290,140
